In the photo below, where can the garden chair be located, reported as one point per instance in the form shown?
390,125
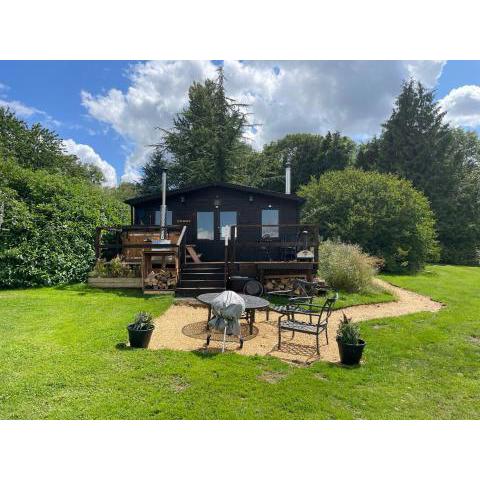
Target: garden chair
307,291
294,310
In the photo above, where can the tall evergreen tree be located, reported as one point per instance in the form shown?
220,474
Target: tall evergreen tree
152,173
368,155
205,135
416,143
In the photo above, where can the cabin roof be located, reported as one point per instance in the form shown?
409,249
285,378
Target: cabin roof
242,188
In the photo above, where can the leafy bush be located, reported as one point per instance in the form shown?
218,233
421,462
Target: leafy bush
348,332
383,214
346,267
47,236
142,321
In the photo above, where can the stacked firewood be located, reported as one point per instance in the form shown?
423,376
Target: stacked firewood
161,279
281,283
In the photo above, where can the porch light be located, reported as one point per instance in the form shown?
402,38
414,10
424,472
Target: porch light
250,198
217,202
182,199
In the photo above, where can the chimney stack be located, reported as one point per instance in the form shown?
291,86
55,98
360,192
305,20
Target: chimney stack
288,175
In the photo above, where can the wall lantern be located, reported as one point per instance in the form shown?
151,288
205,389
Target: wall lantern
182,199
217,202
269,206
250,198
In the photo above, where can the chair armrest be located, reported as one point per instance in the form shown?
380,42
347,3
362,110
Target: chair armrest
280,293
299,299
308,307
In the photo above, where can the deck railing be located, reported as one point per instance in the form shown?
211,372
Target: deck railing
278,242
109,241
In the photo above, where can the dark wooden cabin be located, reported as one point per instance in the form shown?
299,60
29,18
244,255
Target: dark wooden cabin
229,230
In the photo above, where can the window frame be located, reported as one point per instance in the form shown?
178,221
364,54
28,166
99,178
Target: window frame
213,225
220,222
268,227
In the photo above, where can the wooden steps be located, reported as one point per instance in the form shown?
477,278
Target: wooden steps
198,278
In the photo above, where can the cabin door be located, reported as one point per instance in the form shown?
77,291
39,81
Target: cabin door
210,227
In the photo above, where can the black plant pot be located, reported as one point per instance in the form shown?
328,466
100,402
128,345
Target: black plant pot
139,338
350,354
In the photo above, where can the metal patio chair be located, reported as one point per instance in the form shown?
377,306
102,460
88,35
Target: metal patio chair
292,324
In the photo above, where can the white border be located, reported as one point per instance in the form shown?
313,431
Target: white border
250,29
239,450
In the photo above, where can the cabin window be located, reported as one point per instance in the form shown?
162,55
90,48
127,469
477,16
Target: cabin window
205,226
270,218
169,217
227,219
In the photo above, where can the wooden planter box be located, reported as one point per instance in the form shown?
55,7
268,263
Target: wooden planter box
102,282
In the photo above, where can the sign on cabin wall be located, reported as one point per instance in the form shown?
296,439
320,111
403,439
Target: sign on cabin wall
184,221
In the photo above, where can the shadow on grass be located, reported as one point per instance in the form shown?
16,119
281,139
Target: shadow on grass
208,353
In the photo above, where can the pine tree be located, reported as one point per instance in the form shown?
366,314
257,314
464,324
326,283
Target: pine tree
152,172
206,134
417,144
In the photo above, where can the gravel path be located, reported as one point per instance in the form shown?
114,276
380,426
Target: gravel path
168,331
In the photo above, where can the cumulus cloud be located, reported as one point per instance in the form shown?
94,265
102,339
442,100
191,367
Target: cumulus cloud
20,108
86,154
463,106
285,96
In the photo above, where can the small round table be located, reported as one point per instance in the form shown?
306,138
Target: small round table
251,304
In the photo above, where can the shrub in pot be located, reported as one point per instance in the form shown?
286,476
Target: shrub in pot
350,345
140,331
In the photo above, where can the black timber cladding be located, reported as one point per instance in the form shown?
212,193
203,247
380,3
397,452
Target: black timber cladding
248,202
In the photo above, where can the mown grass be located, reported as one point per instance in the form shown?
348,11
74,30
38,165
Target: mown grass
59,358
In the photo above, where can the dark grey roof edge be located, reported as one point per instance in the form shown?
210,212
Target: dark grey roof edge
244,188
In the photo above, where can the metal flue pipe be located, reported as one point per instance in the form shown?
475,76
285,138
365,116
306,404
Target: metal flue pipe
288,176
163,211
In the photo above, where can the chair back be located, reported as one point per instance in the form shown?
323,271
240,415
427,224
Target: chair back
327,309
305,288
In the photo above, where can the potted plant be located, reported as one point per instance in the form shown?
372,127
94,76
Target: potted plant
350,345
140,331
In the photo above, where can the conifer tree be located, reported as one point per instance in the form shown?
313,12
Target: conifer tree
205,135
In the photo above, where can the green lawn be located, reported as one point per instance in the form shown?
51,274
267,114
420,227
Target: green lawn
60,358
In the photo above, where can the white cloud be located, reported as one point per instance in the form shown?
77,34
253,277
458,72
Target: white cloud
463,106
354,97
87,154
20,108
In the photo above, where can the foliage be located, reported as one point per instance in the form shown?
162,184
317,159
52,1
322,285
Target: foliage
459,207
310,155
346,267
205,135
383,214
124,191
142,321
37,148
348,332
115,268
442,162
152,173
48,233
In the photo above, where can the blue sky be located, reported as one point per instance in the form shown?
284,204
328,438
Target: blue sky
107,111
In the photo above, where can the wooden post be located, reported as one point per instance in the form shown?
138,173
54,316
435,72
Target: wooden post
131,215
